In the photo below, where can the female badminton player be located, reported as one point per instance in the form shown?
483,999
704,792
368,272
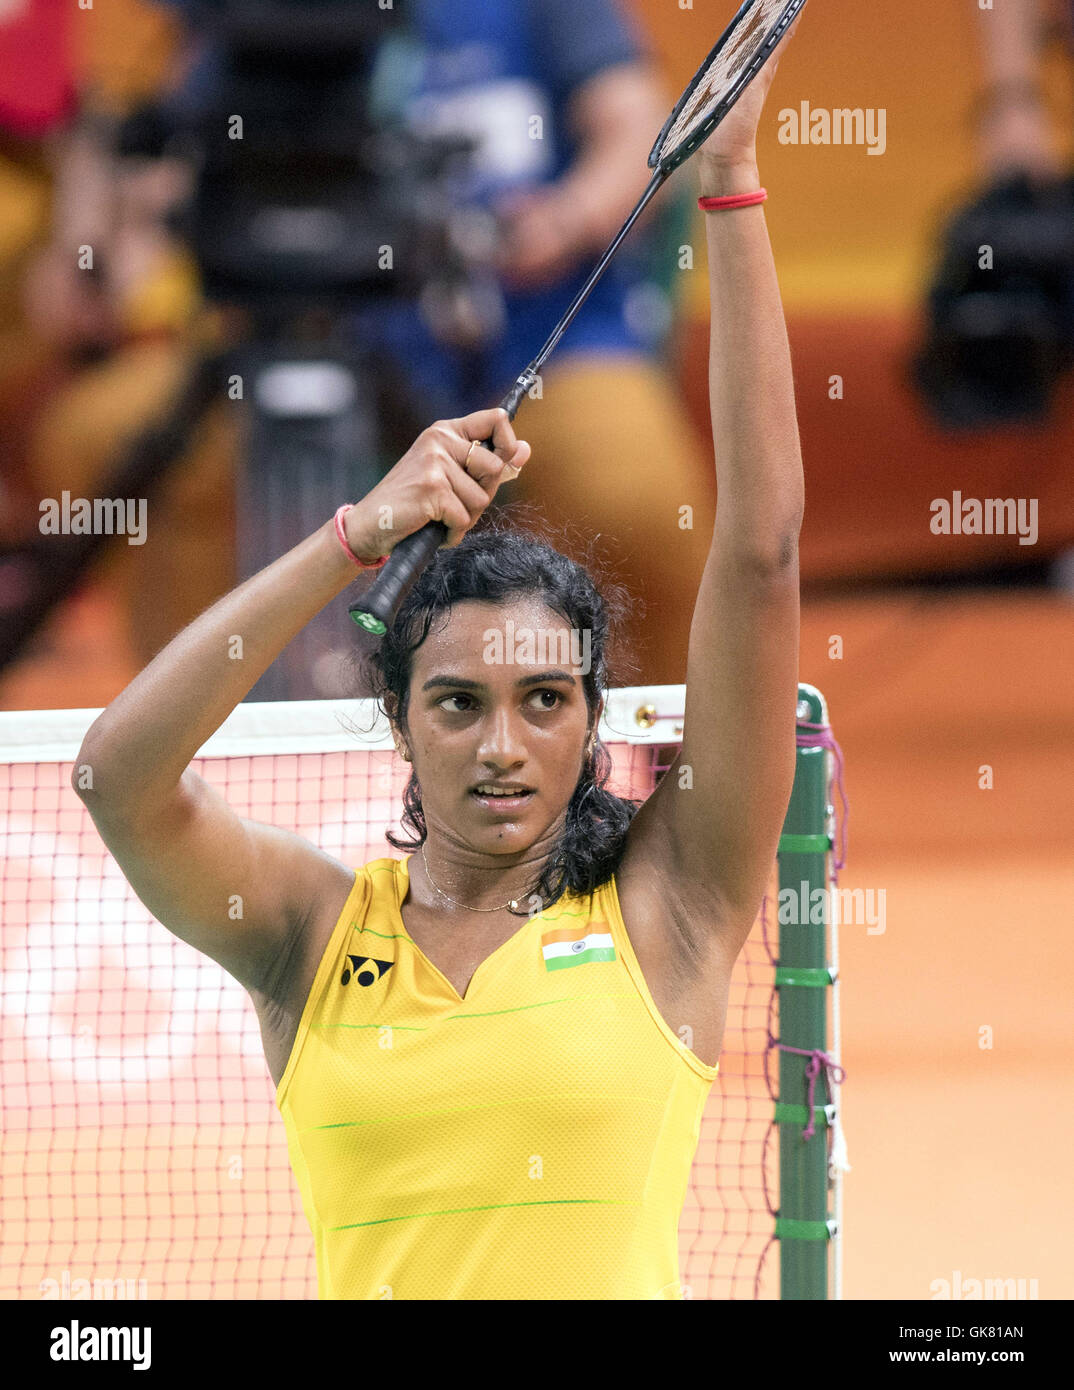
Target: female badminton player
492,1055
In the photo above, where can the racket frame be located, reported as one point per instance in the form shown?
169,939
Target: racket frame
686,148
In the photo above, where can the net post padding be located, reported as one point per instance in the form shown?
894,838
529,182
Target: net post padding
808,1111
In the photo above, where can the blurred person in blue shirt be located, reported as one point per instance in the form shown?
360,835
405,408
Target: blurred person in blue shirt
562,108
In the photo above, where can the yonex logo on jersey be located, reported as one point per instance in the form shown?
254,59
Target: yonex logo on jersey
365,970
570,946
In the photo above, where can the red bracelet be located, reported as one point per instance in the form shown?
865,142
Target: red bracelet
341,533
732,200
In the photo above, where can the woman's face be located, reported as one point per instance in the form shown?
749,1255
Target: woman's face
497,724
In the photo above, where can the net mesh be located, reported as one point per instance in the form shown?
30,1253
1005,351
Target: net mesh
141,1153
743,42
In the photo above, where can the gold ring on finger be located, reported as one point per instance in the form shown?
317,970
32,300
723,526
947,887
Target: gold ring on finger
466,460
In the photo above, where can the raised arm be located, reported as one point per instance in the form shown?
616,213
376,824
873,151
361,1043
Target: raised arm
190,858
710,831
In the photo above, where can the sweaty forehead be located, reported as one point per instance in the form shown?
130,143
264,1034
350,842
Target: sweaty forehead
502,645
462,631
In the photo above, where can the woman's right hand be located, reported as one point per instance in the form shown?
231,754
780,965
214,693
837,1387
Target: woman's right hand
430,483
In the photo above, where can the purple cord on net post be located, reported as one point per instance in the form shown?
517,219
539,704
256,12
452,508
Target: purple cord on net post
833,1074
821,736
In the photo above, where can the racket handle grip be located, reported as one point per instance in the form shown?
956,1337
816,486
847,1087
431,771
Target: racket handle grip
375,611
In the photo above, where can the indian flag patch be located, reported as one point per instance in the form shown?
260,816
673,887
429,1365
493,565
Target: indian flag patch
569,946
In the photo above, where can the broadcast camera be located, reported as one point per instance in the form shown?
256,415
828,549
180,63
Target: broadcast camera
311,189
1001,307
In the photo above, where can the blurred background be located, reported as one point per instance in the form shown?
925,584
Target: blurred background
168,316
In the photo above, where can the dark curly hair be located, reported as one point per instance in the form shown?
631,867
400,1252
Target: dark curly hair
496,561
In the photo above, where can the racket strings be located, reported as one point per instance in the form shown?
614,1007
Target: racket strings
743,44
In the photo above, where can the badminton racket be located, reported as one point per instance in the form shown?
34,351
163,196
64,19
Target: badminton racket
741,52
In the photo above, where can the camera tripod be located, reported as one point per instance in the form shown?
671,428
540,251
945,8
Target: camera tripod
316,416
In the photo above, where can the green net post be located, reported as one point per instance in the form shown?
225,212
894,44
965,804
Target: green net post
803,980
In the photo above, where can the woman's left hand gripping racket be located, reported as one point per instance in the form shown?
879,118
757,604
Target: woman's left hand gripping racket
741,52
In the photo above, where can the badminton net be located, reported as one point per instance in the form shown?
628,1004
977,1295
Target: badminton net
141,1153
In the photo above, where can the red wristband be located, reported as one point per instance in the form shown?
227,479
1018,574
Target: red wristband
342,534
732,200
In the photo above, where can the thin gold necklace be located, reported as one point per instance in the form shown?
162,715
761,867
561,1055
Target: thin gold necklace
453,901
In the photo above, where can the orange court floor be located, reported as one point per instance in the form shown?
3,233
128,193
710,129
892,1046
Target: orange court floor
956,1016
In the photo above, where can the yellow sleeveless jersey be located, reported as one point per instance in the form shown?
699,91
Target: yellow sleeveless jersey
532,1140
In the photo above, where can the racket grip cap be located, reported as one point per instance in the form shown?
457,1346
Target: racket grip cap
375,612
